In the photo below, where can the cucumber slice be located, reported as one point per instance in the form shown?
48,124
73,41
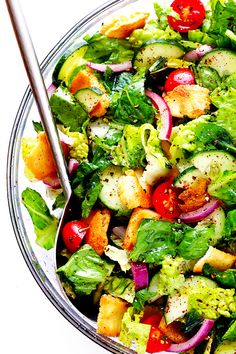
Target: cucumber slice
214,163
108,195
154,49
226,347
74,60
177,304
222,60
216,218
89,97
187,177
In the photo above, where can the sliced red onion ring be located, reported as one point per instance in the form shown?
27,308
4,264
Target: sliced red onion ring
116,68
197,54
51,89
166,118
119,231
72,166
52,182
202,212
195,340
140,275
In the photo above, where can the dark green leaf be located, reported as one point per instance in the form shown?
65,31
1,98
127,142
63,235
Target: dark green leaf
93,189
59,202
38,127
193,321
141,297
45,225
230,334
226,279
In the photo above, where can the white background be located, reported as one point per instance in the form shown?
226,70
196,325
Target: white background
29,322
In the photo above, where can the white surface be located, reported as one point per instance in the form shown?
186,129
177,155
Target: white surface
29,322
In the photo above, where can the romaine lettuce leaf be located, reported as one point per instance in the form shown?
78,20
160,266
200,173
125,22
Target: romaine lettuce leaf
84,270
45,224
227,278
224,188
120,287
230,334
132,331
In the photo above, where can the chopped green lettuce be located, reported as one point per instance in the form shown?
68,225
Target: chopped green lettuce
102,49
131,106
196,242
201,37
45,224
79,148
118,255
120,287
150,32
230,334
212,302
134,332
59,202
226,278
84,270
141,297
224,188
169,279
157,239
67,110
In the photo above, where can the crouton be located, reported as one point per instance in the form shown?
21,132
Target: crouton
96,235
123,26
188,101
195,196
130,192
100,108
111,312
218,259
38,157
173,331
131,232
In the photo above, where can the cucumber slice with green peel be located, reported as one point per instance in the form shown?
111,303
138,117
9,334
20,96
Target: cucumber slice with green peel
187,177
222,60
154,49
226,347
214,163
74,60
89,97
108,195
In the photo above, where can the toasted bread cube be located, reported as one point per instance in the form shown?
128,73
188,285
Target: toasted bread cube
188,101
132,229
123,26
96,236
130,192
218,259
111,312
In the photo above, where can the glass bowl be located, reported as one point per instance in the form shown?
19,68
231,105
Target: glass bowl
40,261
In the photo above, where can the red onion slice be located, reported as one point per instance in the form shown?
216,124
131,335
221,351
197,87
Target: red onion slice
197,54
116,68
52,182
202,212
119,231
140,275
72,166
195,340
51,89
166,118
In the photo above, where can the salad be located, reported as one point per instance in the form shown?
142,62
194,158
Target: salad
145,110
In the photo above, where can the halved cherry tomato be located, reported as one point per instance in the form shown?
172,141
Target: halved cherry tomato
191,13
165,200
73,233
179,77
157,341
153,320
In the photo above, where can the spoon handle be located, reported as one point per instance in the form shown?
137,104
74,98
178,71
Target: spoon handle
39,91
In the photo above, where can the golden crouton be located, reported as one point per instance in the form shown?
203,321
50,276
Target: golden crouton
111,312
123,26
38,157
130,192
188,101
131,232
217,259
96,235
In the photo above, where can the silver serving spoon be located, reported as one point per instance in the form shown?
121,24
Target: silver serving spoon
41,98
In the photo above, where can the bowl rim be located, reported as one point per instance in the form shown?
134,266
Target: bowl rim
13,155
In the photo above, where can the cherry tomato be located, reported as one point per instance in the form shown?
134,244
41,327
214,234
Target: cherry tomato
73,233
165,200
179,77
191,13
152,320
157,341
